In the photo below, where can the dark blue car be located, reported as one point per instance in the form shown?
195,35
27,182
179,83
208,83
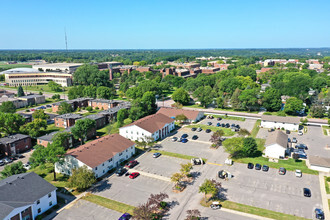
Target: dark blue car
125,216
184,136
218,124
184,140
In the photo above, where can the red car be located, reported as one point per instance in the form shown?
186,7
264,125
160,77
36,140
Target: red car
131,164
32,109
133,175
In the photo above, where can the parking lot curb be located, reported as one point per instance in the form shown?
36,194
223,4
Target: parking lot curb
324,196
245,214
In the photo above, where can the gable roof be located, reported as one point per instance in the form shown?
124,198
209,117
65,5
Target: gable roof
319,161
277,137
69,116
100,150
13,138
21,190
172,112
274,118
152,123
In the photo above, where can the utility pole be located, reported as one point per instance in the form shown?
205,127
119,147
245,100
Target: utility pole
66,40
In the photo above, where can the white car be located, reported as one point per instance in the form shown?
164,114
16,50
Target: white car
298,173
26,166
300,132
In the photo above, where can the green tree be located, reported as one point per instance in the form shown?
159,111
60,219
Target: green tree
34,128
319,83
55,86
233,146
243,132
216,137
103,92
20,91
220,102
186,168
56,97
91,75
181,118
210,187
248,98
15,168
305,66
317,111
250,147
293,105
193,214
121,116
62,139
40,114
81,129
10,123
235,101
90,91
76,92
204,94
82,178
181,96
176,178
148,102
7,107
272,100
64,108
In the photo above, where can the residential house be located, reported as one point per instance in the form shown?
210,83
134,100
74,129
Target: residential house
15,144
66,120
279,122
192,115
100,155
318,163
156,126
276,144
25,196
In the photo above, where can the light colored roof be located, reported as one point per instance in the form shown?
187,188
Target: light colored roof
172,112
152,123
100,150
57,65
292,120
20,70
319,161
277,137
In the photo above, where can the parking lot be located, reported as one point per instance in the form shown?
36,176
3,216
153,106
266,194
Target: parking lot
24,160
269,190
85,210
131,191
247,124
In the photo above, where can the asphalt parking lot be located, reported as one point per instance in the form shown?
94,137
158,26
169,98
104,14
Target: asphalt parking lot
247,124
24,160
85,210
269,190
131,191
162,166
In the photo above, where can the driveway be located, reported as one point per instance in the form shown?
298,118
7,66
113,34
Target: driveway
247,124
269,190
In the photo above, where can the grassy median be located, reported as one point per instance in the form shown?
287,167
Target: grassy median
227,131
256,128
181,156
109,203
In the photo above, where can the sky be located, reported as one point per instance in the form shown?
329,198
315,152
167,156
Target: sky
159,24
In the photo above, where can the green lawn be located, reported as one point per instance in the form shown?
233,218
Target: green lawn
112,128
289,164
12,66
171,154
228,117
109,203
256,128
40,88
52,128
324,128
234,110
227,131
327,187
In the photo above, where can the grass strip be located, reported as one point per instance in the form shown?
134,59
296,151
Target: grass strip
109,203
289,164
324,128
256,128
181,156
227,131
228,117
327,188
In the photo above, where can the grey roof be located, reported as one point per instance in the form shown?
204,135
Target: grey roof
94,117
103,101
319,161
277,137
291,120
69,116
48,137
21,190
31,96
25,115
114,109
13,138
21,70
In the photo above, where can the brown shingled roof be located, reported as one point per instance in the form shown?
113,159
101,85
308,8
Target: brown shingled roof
277,137
172,112
100,150
319,161
152,123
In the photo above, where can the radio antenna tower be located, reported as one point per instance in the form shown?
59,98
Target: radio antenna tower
66,40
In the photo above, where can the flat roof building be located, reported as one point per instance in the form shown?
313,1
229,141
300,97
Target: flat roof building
57,67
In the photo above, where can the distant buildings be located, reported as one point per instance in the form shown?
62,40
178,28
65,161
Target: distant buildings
100,155
66,120
25,196
57,67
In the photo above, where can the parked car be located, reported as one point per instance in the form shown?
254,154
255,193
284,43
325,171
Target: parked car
233,125
195,137
265,168
282,171
300,132
287,132
174,139
42,107
319,214
32,109
218,124
294,140
2,163
250,165
184,140
197,161
20,156
120,171
298,173
12,158
301,146
209,123
208,130
271,129
299,151
210,117
7,160
48,106
131,164
223,125
27,166
155,155
215,205
125,216
289,140
134,175
237,126
219,119
302,156
227,125
307,192
199,129
184,136
258,167
193,129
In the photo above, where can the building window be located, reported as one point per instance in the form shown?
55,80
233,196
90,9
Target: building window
102,164
49,195
38,202
126,131
137,133
39,210
103,171
95,168
50,203
126,150
120,154
110,160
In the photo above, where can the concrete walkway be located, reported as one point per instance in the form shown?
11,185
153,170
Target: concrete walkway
324,196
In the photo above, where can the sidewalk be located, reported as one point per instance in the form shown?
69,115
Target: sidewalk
324,196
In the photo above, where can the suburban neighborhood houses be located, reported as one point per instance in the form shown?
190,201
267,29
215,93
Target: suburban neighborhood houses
160,110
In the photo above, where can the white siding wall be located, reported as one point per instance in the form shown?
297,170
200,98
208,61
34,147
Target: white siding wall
322,169
286,126
275,151
15,211
134,132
